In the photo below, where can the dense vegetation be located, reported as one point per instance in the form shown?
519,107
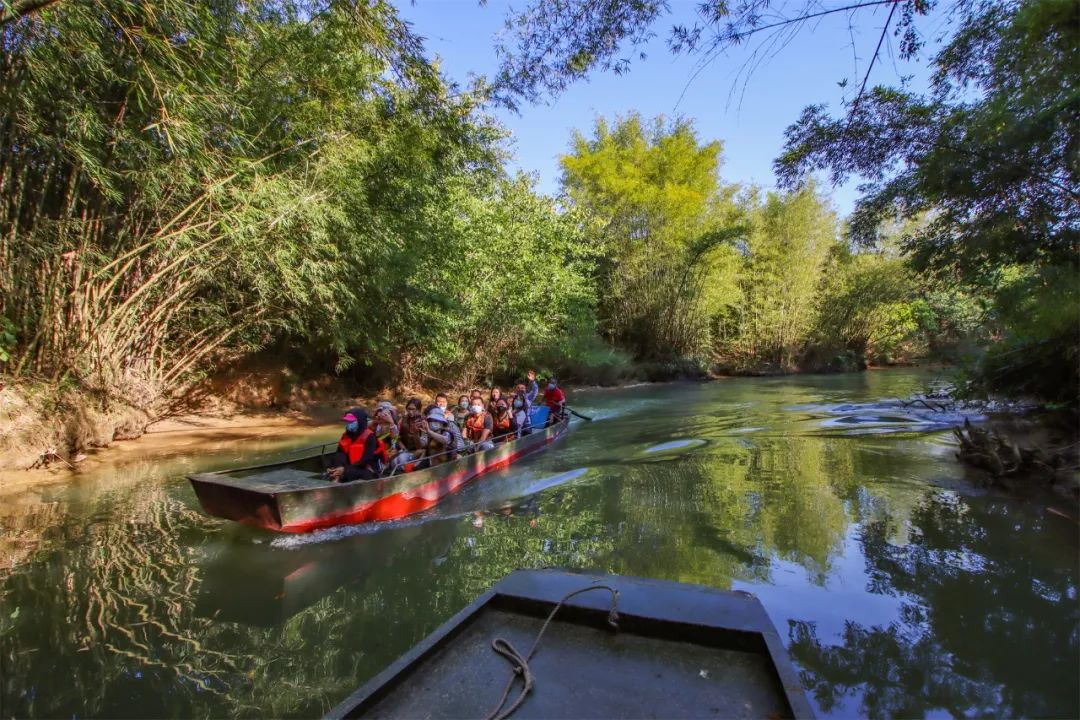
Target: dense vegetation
979,175
186,183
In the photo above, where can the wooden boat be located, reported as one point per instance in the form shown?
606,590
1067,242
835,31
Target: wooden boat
679,651
295,496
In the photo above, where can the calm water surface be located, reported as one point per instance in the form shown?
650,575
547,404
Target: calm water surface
899,589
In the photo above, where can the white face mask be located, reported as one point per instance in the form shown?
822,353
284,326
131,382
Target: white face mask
477,409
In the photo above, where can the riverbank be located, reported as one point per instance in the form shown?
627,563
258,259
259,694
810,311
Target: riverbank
171,437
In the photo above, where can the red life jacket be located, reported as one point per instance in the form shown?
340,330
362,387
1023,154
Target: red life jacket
354,448
381,451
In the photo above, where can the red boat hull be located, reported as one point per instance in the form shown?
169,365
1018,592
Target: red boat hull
293,497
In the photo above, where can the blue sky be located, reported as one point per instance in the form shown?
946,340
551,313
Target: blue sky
748,118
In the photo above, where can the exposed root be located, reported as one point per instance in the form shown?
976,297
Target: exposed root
1007,461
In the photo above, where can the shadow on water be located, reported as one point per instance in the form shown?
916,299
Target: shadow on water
900,595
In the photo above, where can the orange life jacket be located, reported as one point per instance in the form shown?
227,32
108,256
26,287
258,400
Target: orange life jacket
501,427
354,448
474,426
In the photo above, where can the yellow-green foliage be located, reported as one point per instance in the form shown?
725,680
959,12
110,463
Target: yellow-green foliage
652,193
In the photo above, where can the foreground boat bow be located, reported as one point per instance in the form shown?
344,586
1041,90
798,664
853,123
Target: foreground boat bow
680,651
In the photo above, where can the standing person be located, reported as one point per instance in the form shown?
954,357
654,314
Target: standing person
478,426
520,411
555,400
356,456
533,388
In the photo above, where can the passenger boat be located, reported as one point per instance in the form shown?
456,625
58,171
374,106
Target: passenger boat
295,496
630,648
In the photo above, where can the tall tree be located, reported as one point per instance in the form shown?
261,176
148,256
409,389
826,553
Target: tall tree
989,157
782,262
654,196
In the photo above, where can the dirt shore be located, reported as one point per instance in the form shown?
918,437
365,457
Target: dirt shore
177,436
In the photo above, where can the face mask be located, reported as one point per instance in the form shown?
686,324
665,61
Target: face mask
551,386
352,427
464,404
477,409
517,403
441,405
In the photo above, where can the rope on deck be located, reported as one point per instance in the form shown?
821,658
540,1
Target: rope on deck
520,663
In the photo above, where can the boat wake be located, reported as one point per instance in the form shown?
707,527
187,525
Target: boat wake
674,445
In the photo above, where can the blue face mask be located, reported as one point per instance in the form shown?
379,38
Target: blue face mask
352,427
517,403
551,386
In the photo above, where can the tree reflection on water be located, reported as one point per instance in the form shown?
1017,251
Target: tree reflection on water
902,599
960,643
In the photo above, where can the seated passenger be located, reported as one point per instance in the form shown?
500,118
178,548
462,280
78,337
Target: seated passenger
520,412
461,412
356,457
478,426
389,408
443,402
503,428
555,400
444,438
519,389
412,437
493,399
385,427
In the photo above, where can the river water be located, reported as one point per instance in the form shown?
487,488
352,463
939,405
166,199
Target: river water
898,586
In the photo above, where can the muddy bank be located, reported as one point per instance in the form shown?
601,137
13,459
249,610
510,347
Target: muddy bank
173,437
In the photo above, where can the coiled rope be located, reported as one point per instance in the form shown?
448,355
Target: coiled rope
520,663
